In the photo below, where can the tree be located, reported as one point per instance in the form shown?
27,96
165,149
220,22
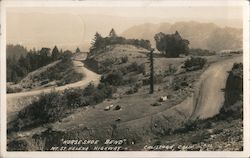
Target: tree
55,53
78,50
25,63
97,42
151,79
172,45
66,55
112,33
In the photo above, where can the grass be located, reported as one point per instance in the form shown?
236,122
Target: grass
54,106
63,73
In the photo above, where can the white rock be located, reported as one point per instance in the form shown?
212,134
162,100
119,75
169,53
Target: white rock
163,98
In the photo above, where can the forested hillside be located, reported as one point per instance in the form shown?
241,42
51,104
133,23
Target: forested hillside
20,61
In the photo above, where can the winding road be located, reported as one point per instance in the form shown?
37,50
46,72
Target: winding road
206,101
209,97
89,76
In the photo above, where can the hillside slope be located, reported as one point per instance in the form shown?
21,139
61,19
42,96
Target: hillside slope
58,73
17,101
130,112
103,60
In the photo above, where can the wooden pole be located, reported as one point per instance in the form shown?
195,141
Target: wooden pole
151,80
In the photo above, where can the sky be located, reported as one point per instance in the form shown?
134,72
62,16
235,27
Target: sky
73,27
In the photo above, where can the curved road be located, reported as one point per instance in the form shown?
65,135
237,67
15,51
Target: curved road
209,98
89,76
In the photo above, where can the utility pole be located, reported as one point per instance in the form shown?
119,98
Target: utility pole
151,79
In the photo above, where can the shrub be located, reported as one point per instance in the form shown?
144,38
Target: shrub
75,98
50,107
113,78
194,63
135,88
73,77
200,137
89,89
124,59
156,104
54,106
140,68
171,70
17,145
132,90
158,78
131,79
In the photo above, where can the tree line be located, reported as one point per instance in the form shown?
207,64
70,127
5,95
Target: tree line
18,66
171,45
100,42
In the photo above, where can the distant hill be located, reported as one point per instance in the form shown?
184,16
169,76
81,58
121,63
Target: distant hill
201,35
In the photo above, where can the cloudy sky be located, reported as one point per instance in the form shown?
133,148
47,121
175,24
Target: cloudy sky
73,27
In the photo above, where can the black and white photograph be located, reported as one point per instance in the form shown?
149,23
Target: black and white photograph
123,77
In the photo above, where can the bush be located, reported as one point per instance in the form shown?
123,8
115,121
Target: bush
54,106
89,89
140,68
171,70
194,63
189,125
131,79
75,98
50,107
124,59
158,78
113,78
17,145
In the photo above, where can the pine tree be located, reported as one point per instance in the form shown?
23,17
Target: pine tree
97,42
55,53
112,33
77,50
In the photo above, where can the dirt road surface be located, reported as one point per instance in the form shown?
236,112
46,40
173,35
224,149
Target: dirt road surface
209,98
14,98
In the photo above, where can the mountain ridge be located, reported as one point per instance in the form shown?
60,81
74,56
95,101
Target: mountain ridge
201,35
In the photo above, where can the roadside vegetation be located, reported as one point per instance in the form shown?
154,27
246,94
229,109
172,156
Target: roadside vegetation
18,66
101,43
194,63
40,69
54,106
221,132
